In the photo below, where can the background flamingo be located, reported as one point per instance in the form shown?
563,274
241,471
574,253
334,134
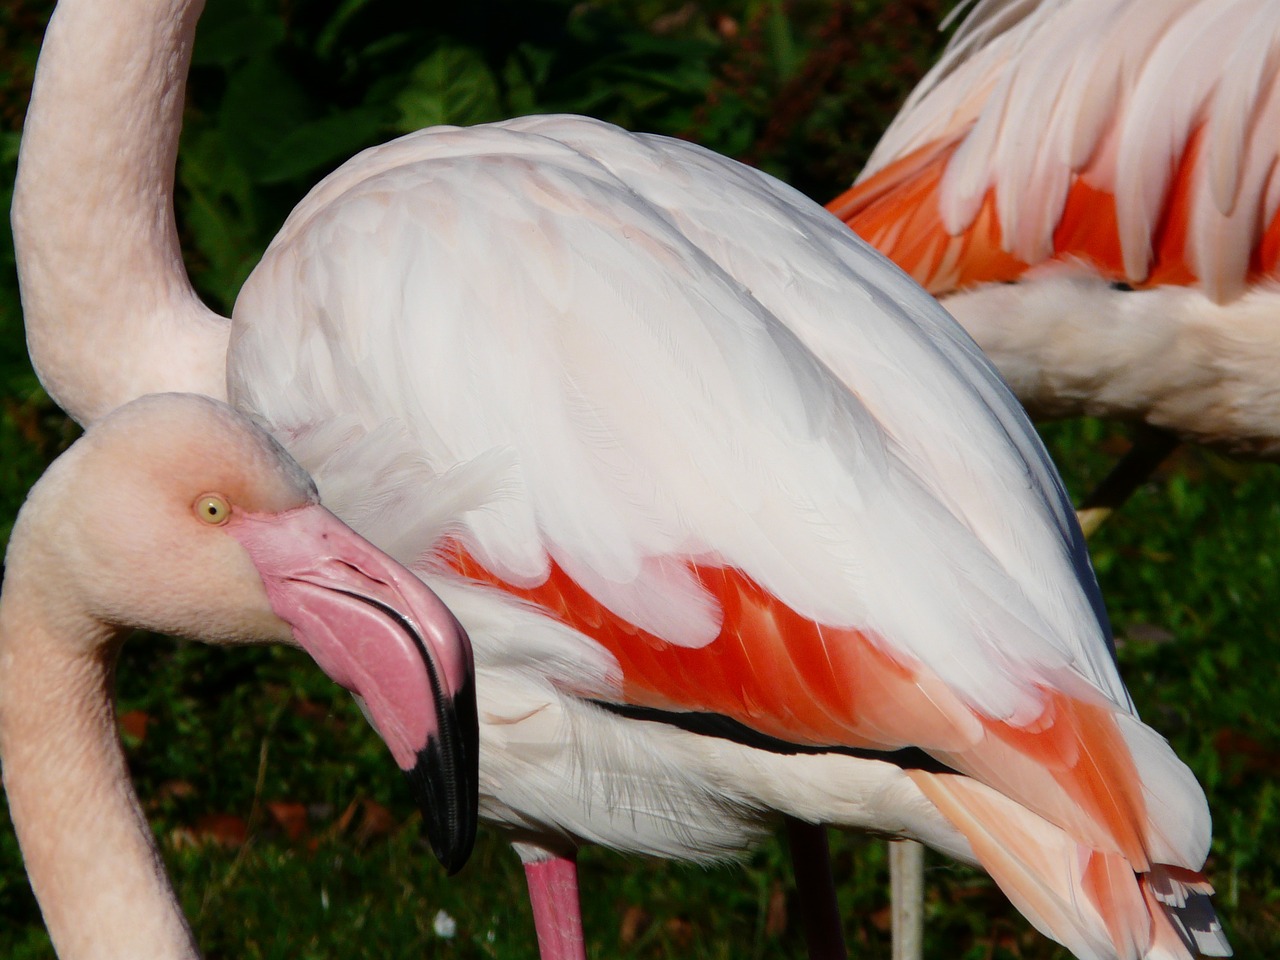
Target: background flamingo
176,514
673,553
1090,185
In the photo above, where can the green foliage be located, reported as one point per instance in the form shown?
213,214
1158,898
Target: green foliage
282,93
1189,570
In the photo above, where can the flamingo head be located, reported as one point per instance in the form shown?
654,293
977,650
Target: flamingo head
178,515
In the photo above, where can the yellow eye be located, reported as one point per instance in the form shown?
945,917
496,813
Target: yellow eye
213,509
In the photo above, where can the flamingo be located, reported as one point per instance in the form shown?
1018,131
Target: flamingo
739,523
176,514
1090,186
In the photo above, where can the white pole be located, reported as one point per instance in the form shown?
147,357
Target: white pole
906,892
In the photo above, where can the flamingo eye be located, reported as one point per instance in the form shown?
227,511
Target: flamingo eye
213,509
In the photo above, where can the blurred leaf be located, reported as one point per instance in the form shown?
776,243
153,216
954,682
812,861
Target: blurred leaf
219,217
10,141
783,50
524,73
327,40
453,85
320,145
262,104
290,816
232,31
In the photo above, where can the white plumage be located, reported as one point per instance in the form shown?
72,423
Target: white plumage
619,397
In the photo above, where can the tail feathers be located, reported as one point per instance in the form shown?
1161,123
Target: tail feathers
1091,901
1185,920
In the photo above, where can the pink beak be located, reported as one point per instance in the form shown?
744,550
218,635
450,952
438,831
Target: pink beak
377,630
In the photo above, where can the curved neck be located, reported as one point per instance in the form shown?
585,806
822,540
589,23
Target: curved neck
109,309
88,849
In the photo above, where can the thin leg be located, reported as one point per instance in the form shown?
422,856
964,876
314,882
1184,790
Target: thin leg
906,891
1150,448
557,916
816,890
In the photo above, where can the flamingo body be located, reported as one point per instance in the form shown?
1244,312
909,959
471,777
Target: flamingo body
675,448
1071,160
722,441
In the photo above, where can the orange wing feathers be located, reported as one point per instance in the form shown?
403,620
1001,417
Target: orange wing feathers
1089,224
769,668
896,210
1266,256
788,677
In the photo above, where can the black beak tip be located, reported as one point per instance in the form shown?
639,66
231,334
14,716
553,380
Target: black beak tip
445,781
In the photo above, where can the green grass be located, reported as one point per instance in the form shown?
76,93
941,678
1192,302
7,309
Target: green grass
1189,572
1189,568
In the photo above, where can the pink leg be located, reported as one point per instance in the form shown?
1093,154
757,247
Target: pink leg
557,917
816,890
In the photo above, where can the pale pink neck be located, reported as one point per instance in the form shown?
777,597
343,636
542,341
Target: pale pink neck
88,850
109,309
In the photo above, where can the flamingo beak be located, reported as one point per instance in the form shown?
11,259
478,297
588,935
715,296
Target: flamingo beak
377,630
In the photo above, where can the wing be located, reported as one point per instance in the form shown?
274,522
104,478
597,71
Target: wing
680,408
1137,137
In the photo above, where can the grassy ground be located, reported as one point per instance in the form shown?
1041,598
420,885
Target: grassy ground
281,819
